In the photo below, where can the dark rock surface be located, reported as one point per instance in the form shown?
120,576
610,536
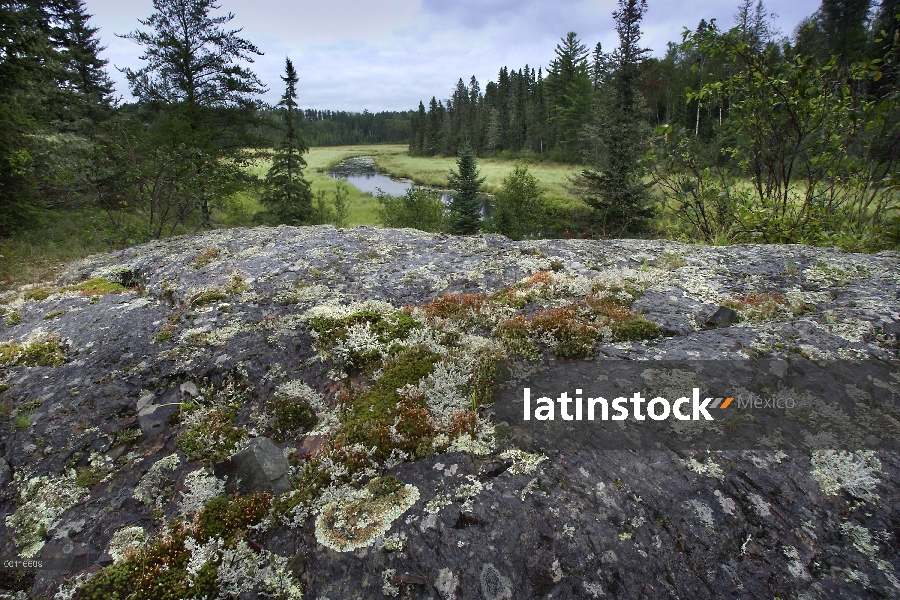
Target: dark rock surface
260,467
95,455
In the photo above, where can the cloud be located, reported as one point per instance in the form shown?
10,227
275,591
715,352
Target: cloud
388,55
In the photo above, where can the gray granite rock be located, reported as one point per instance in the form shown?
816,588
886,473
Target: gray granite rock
228,335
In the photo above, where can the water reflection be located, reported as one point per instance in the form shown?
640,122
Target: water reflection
360,172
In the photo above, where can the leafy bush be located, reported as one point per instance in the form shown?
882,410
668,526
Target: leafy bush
419,209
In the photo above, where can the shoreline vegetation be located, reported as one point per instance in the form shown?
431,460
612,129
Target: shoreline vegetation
734,135
63,235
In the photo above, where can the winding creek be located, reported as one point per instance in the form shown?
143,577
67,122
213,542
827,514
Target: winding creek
360,171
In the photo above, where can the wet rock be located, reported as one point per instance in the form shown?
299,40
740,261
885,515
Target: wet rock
494,586
577,525
721,317
260,467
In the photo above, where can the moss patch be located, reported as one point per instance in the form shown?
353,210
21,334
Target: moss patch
205,298
385,419
206,257
13,318
97,287
159,572
41,293
292,416
47,353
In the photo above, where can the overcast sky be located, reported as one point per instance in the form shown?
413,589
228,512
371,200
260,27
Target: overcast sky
389,54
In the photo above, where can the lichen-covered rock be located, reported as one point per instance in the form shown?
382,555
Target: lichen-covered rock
366,353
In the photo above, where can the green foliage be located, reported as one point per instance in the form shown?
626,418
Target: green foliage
466,203
381,418
13,318
614,186
810,167
47,353
287,194
419,209
518,210
293,416
341,205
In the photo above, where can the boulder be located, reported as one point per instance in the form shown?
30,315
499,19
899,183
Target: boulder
721,317
260,467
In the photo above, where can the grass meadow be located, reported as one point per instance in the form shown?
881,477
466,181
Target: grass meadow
59,236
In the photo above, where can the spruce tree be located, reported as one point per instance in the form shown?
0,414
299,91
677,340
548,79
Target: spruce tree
466,203
287,193
614,187
193,68
83,71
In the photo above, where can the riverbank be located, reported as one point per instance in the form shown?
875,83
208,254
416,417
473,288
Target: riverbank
60,236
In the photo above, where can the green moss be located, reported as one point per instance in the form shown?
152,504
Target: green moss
22,420
236,286
128,435
41,293
669,261
87,478
292,416
163,335
53,314
48,353
229,518
158,572
206,257
97,287
635,328
13,318
384,486
381,418
205,298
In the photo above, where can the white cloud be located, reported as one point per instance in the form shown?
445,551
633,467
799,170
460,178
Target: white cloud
388,55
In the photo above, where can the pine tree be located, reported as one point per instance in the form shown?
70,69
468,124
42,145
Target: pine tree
614,187
466,203
193,68
288,194
83,70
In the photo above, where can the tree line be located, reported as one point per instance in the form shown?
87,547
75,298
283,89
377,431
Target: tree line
736,134
342,128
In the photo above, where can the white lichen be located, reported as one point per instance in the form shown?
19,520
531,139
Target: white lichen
200,488
853,472
126,541
347,524
149,487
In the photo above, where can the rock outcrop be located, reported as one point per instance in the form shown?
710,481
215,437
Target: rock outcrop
142,384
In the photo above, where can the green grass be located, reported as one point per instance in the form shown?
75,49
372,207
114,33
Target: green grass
432,171
60,236
57,237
